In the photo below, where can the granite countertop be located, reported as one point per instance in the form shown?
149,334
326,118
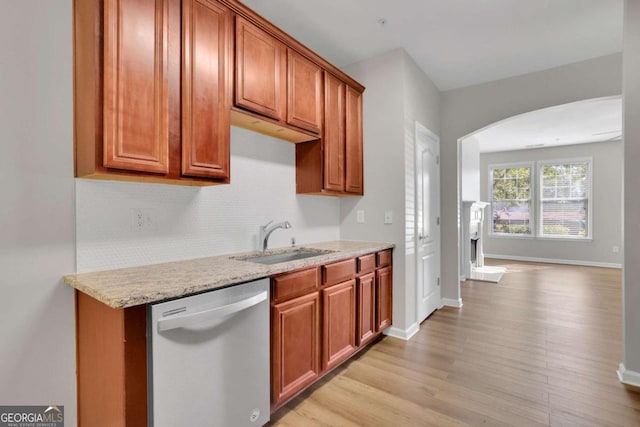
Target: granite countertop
128,287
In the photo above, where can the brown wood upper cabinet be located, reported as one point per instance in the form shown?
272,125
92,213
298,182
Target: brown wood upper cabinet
333,166
157,84
261,71
206,85
334,136
304,92
136,96
354,182
135,118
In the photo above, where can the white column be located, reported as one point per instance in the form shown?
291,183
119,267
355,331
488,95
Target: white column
629,371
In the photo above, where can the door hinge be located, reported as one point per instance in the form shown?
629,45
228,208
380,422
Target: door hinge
438,221
438,281
437,160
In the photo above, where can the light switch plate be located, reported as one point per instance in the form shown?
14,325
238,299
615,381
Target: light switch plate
388,217
360,217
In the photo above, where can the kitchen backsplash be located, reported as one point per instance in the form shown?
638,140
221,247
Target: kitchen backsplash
122,224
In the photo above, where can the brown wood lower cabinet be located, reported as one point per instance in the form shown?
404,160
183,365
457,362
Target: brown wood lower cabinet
384,300
366,294
295,348
330,322
339,323
317,322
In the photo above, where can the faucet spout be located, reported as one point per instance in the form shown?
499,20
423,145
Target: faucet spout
266,230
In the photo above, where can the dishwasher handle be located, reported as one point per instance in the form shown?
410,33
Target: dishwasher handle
200,316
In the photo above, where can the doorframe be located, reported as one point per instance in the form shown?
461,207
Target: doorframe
419,127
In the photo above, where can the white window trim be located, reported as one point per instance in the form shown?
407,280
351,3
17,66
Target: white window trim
539,165
532,193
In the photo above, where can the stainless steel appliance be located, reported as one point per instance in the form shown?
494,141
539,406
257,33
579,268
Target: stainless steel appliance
209,358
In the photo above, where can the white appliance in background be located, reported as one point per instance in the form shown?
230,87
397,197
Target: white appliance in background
209,358
472,244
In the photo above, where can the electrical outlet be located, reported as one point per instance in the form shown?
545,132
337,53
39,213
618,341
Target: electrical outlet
388,217
143,219
360,217
137,219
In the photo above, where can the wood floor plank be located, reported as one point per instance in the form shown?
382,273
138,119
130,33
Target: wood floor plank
539,348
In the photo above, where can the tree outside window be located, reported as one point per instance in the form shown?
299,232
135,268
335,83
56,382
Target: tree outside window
511,200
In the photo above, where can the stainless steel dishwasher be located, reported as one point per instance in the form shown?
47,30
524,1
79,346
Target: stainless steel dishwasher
209,358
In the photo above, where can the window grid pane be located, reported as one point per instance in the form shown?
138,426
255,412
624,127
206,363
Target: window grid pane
511,197
564,205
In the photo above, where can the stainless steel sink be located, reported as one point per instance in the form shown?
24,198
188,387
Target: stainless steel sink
283,256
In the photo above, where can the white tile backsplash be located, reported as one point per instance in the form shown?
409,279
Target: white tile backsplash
193,222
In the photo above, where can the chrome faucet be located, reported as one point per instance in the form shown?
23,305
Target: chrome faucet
265,232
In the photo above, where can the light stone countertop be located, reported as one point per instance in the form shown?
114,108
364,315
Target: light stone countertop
127,287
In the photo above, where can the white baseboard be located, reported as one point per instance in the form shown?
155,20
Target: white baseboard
628,377
555,261
462,278
450,302
403,334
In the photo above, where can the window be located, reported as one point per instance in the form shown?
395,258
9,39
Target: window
511,199
564,199
560,200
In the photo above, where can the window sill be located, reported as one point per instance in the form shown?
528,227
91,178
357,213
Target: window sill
566,239
511,236
559,238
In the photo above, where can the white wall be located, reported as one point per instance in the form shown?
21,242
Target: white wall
397,94
468,109
194,222
470,169
631,110
422,104
37,359
606,206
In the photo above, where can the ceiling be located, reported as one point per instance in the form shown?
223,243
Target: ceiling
457,43
581,122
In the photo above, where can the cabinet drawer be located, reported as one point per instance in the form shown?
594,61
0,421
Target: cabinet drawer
339,271
290,285
384,258
366,263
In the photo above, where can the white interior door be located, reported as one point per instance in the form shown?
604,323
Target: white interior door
427,222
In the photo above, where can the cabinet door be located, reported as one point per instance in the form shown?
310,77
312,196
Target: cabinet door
261,71
384,303
295,346
136,97
304,94
334,136
366,308
339,329
206,79
354,173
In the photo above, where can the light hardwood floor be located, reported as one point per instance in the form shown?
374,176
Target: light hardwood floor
540,348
